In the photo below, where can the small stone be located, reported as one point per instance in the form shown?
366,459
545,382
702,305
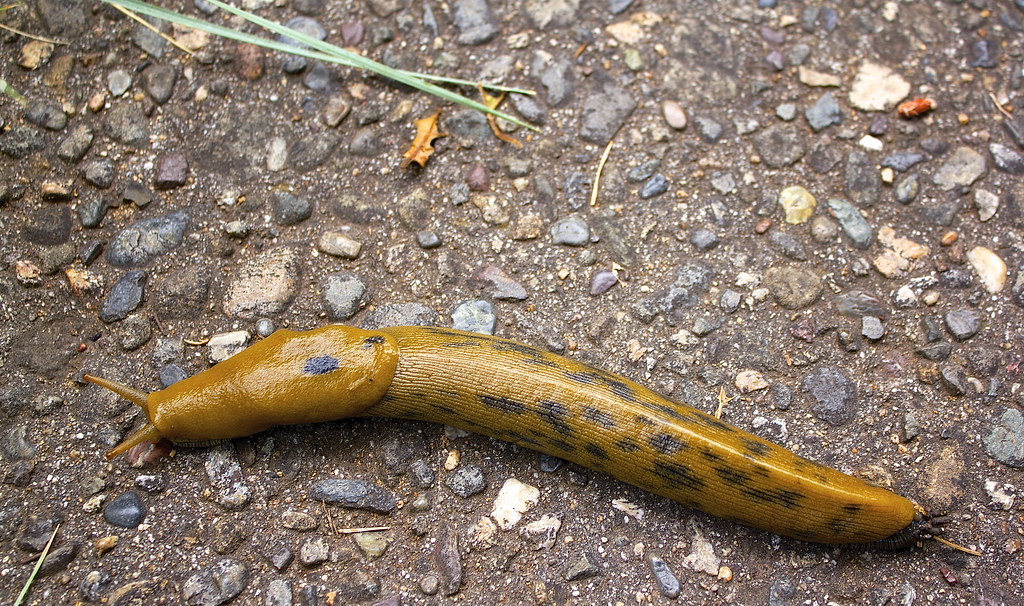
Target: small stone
571,231
344,294
730,301
655,186
786,111
667,582
314,551
159,82
428,239
1006,159
962,168
877,88
76,144
854,225
1005,442
501,285
475,22
99,173
265,285
337,244
990,268
748,381
825,112
172,171
126,511
290,209
812,77
216,584
514,499
984,53
793,287
962,323
954,379
674,114
125,297
780,145
797,203
601,282
373,544
902,161
226,344
704,240
583,568
834,392
987,204
906,190
46,114
708,129
474,316
354,494
872,328
466,481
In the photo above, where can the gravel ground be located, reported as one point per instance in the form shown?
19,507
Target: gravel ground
766,224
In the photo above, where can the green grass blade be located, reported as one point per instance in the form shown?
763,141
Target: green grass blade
12,92
35,571
324,51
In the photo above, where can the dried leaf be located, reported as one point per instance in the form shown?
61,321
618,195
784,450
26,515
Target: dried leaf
421,148
493,102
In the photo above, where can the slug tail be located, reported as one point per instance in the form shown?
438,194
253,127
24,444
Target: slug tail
135,396
147,433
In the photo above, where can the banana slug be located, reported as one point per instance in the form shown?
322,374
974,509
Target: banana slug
533,398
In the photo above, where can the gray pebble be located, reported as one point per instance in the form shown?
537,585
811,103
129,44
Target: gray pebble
125,123
548,463
601,281
21,141
708,129
47,114
704,240
91,212
984,53
312,150
399,314
135,332
421,474
528,108
279,556
118,82
834,393
906,190
500,284
344,294
963,168
571,231
780,145
604,112
138,243
1005,442
126,511
90,251
475,22
74,146
902,161
17,446
216,584
94,585
290,209
125,297
723,182
279,593
171,374
793,287
99,172
265,285
354,494
466,481
293,64
730,301
863,184
318,77
582,568
954,379
963,323
137,193
428,239
555,75
643,171
911,428
655,186
782,590
824,113
446,558
1006,159
475,316
854,225
786,111
152,482
936,352
790,246
667,582
265,327
872,328
223,470
703,327
859,303
159,82
430,584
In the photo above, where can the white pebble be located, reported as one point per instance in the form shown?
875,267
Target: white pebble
991,269
987,204
513,500
675,116
869,142
226,344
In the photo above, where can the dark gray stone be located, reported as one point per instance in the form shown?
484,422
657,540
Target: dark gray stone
963,323
46,114
312,150
1005,441
99,172
21,141
475,22
216,584
344,294
902,161
824,113
780,145
604,112
125,123
73,147
159,82
354,494
126,511
466,481
834,393
125,297
571,231
709,129
863,184
654,187
475,316
290,209
138,243
854,225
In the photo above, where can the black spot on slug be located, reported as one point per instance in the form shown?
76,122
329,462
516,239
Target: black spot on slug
596,450
852,508
582,376
678,474
598,416
562,445
755,448
554,413
711,455
710,422
506,405
787,498
666,444
461,344
622,390
627,445
321,365
374,340
733,476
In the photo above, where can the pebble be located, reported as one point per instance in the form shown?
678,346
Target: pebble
962,323
872,328
373,544
216,584
94,585
290,209
46,114
314,551
1006,159
427,239
859,303
312,150
730,301
704,240
514,499
748,381
466,481
834,392
780,145
501,285
279,593
604,112
343,294
793,287
476,315
708,129
545,531
812,77
602,281
582,568
877,88
138,243
446,558
125,123
571,231
862,182
786,111
655,186
118,82
76,144
226,344
475,22
225,475
135,332
667,582
963,168
674,114
954,379
21,141
906,190
824,113
854,225
797,203
723,182
399,314
126,511
265,285
990,268
987,204
159,82
354,494
100,173
984,53
125,297
791,247
902,161
1005,441
337,244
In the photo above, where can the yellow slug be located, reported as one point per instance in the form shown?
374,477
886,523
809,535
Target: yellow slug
533,398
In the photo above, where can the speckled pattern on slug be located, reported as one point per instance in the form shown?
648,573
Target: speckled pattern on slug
555,405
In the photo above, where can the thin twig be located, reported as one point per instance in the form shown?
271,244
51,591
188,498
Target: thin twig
32,36
35,571
151,27
958,547
999,106
600,169
364,529
330,520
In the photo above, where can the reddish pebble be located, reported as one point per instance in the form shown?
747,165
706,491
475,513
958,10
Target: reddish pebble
478,178
601,282
249,61
82,347
171,171
763,225
351,33
948,575
916,107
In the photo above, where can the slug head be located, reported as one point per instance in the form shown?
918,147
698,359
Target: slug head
288,378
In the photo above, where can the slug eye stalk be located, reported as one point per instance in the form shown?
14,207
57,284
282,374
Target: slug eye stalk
147,433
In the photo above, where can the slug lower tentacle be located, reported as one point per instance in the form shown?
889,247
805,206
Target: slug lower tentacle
533,398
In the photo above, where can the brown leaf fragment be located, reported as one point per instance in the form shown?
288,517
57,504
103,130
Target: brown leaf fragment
493,102
421,148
